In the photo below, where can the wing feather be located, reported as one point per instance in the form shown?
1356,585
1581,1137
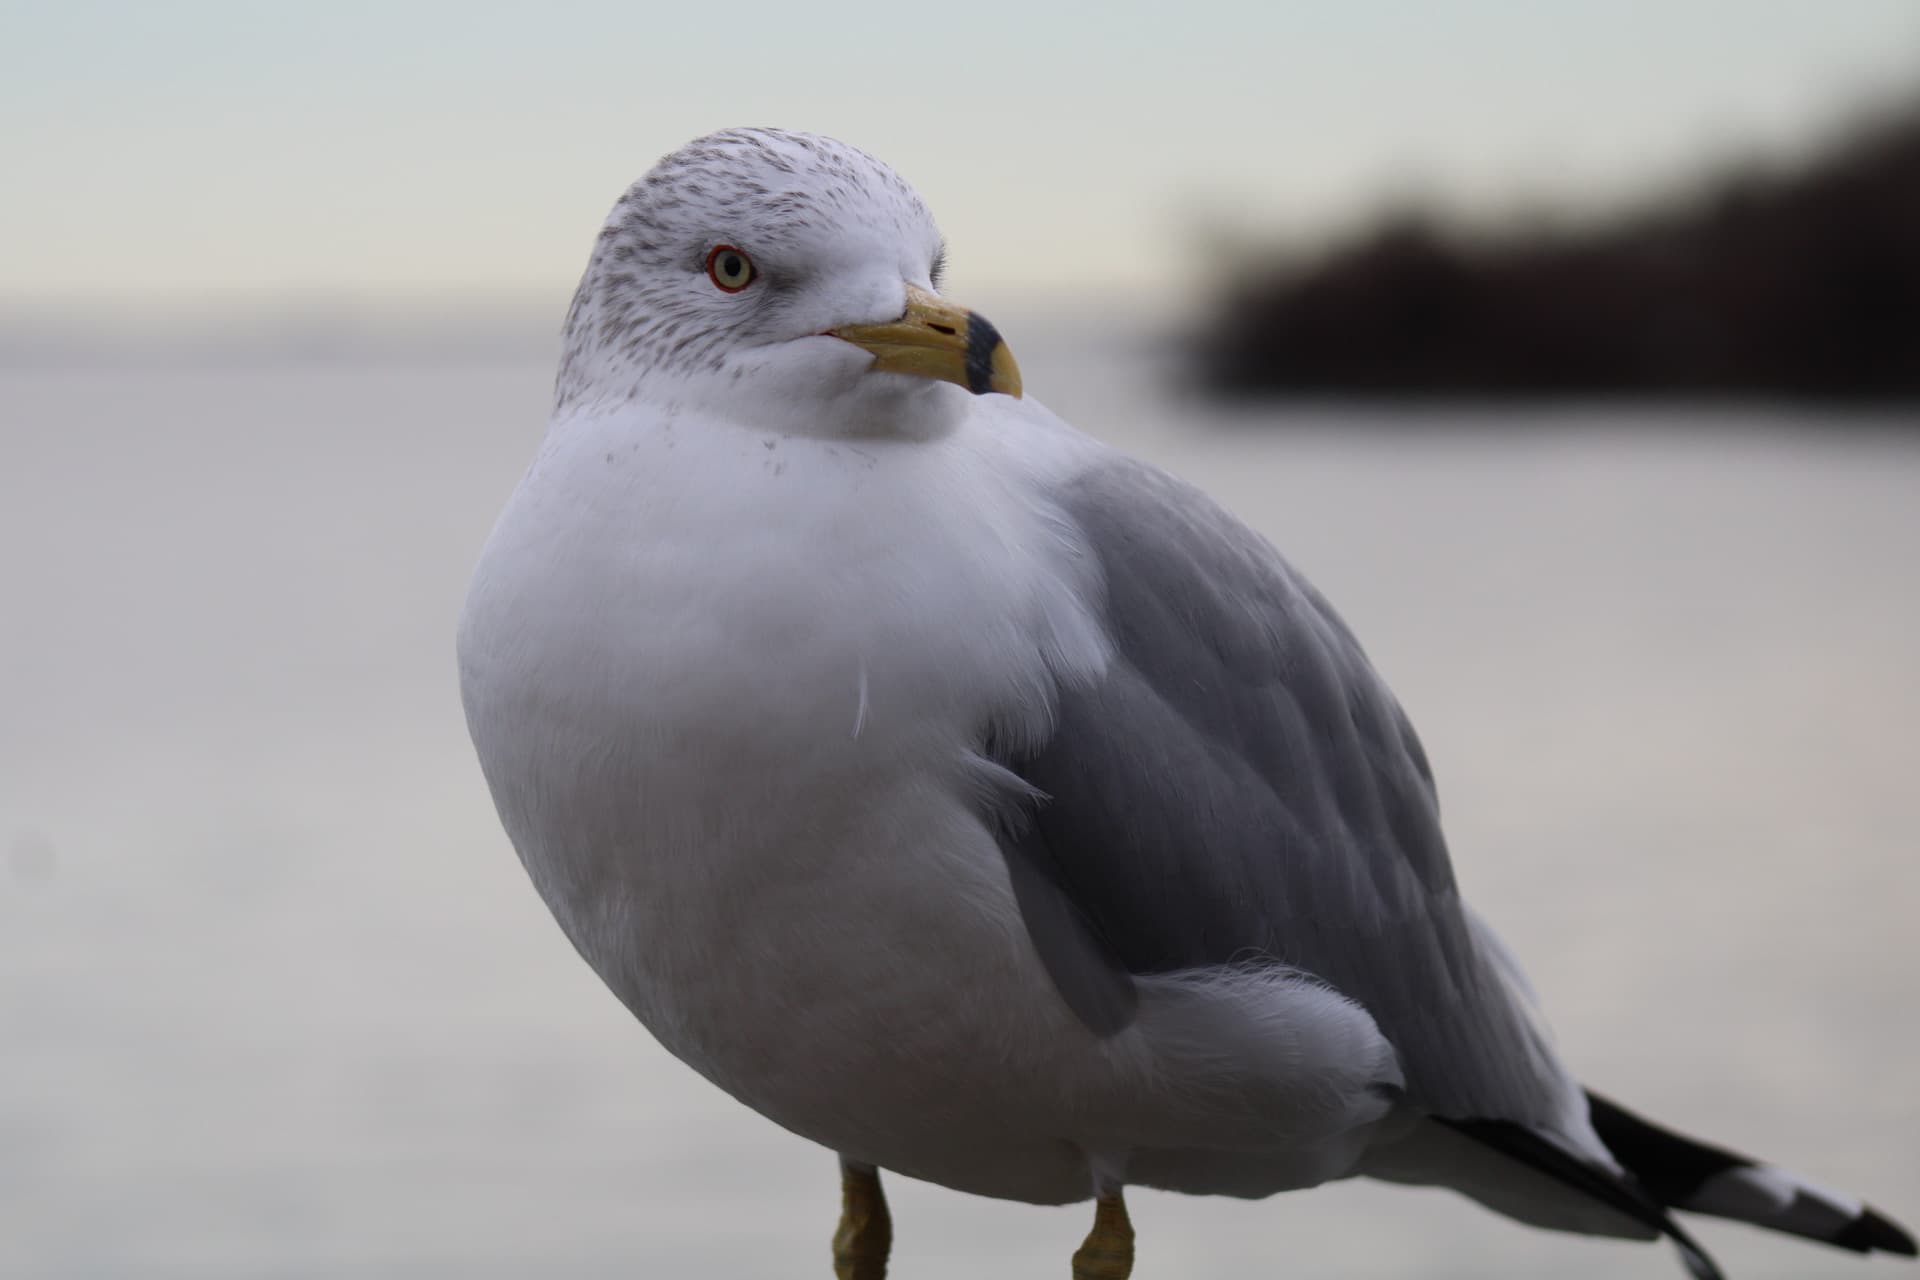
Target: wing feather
1240,784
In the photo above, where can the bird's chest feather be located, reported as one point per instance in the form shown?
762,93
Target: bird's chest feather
692,590
732,740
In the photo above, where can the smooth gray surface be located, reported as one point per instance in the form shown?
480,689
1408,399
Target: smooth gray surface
276,1000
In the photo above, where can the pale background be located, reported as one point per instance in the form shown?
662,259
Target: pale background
383,150
278,287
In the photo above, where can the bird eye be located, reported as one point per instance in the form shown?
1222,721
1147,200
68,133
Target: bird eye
729,268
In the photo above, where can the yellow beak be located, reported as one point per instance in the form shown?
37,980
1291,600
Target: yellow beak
936,339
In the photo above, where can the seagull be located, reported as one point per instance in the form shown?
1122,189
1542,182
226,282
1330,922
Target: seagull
979,802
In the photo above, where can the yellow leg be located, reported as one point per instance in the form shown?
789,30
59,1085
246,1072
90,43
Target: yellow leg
1107,1252
865,1237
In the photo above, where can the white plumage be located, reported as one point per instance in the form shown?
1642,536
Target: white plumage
965,797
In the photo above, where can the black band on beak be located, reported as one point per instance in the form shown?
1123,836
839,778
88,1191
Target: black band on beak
982,340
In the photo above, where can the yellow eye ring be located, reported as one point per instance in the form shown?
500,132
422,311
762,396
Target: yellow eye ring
729,269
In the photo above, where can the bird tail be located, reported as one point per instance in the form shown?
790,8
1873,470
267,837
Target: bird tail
1633,1206
1680,1173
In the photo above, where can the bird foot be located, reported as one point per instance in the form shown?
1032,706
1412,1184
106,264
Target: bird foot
1107,1252
865,1236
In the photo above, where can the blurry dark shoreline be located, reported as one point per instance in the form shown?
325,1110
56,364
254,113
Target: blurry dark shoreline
1800,286
1784,288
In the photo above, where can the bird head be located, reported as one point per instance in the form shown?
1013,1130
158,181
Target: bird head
780,280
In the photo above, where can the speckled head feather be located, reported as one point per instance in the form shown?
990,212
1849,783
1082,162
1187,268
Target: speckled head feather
831,232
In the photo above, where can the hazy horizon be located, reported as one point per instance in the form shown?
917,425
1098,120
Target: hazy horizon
226,155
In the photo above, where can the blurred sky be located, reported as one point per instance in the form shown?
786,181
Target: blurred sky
200,150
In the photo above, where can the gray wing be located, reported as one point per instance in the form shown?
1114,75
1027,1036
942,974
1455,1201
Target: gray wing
1241,786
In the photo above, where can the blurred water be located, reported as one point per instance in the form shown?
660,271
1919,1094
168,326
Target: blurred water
276,1000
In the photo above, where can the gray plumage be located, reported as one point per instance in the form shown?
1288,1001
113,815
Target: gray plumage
1241,788
812,689
634,311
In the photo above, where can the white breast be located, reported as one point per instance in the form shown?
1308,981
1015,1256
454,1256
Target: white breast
728,737
731,737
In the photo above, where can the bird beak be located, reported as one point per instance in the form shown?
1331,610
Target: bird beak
936,339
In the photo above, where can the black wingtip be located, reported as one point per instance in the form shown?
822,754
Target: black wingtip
1625,1196
1870,1232
1700,1265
